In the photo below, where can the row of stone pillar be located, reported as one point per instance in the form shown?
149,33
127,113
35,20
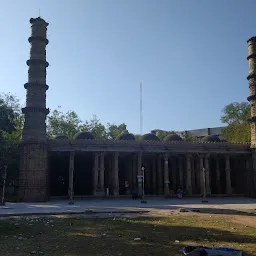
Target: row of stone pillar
204,175
163,179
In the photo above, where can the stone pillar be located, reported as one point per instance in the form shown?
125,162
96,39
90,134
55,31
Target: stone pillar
189,185
248,176
139,172
130,174
228,177
198,176
166,175
134,171
116,175
207,176
71,176
147,173
218,184
102,173
153,175
159,175
180,172
253,176
193,175
96,173
110,174
174,170
201,166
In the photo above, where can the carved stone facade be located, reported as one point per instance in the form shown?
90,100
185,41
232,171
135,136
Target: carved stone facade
33,182
88,167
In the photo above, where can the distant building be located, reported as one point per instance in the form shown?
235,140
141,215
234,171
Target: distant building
199,133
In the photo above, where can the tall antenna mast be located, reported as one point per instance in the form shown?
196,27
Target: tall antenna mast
141,114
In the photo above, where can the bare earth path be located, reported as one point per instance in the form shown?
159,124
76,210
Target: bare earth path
156,206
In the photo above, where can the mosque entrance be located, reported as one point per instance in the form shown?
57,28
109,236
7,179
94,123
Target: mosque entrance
59,173
83,174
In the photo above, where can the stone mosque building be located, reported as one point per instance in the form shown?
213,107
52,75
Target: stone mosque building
84,166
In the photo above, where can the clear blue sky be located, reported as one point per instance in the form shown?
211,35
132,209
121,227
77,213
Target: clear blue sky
190,56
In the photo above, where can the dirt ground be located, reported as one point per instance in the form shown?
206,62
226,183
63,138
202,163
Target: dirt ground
114,234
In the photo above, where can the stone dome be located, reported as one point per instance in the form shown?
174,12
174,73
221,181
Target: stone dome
172,137
84,136
61,137
211,138
125,136
150,137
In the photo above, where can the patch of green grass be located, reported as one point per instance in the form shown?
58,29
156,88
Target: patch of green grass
115,236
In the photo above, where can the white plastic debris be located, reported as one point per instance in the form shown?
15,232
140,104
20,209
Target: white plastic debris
137,239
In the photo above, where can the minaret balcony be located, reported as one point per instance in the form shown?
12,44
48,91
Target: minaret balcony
251,97
30,85
38,38
37,62
251,75
35,110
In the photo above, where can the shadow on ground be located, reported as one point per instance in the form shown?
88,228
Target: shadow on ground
159,236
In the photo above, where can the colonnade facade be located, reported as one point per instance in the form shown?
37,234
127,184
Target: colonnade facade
164,173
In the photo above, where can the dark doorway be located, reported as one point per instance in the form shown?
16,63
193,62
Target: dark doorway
59,174
83,174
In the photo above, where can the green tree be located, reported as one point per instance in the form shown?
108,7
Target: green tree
11,122
60,123
236,115
114,130
237,132
162,135
189,137
137,136
96,128
69,124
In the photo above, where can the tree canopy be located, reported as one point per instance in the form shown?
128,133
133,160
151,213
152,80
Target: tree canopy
69,124
11,122
236,115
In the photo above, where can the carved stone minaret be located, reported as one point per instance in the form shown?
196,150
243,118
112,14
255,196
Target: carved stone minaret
33,180
252,84
252,99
